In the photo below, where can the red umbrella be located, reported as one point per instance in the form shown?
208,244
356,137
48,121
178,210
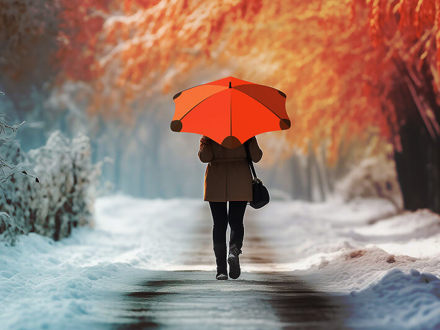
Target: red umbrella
230,110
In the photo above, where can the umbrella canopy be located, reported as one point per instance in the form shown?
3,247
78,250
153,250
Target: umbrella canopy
230,111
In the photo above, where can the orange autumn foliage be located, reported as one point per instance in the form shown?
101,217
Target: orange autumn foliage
336,60
80,24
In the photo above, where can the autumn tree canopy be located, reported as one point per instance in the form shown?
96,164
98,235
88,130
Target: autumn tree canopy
337,61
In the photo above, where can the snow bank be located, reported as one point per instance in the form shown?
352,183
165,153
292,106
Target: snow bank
72,282
387,265
347,246
403,300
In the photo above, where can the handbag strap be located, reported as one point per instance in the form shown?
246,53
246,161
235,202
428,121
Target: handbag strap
246,146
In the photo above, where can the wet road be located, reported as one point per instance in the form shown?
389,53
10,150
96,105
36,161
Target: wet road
187,298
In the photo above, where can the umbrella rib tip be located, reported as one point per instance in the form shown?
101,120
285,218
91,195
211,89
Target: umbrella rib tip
285,123
176,125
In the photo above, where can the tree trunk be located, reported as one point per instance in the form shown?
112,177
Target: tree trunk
117,164
418,163
309,180
143,169
326,172
298,191
319,177
418,167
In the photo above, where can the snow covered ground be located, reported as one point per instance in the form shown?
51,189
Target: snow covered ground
388,269
387,265
66,284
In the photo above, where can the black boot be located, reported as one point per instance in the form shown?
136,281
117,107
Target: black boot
220,259
234,262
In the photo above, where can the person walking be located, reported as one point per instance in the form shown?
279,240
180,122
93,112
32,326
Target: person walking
228,178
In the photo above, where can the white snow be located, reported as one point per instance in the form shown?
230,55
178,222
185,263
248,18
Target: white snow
388,265
387,268
400,299
47,284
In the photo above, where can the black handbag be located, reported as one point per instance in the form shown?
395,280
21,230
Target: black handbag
260,195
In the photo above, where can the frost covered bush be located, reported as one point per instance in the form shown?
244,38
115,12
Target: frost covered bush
9,149
373,177
10,156
64,196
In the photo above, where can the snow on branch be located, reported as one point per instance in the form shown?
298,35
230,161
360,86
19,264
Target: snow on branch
373,177
60,200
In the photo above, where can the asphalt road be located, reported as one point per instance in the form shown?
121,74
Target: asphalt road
260,299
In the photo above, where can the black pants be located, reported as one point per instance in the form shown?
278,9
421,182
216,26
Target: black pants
222,217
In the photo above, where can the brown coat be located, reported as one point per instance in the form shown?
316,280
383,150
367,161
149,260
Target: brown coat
227,176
